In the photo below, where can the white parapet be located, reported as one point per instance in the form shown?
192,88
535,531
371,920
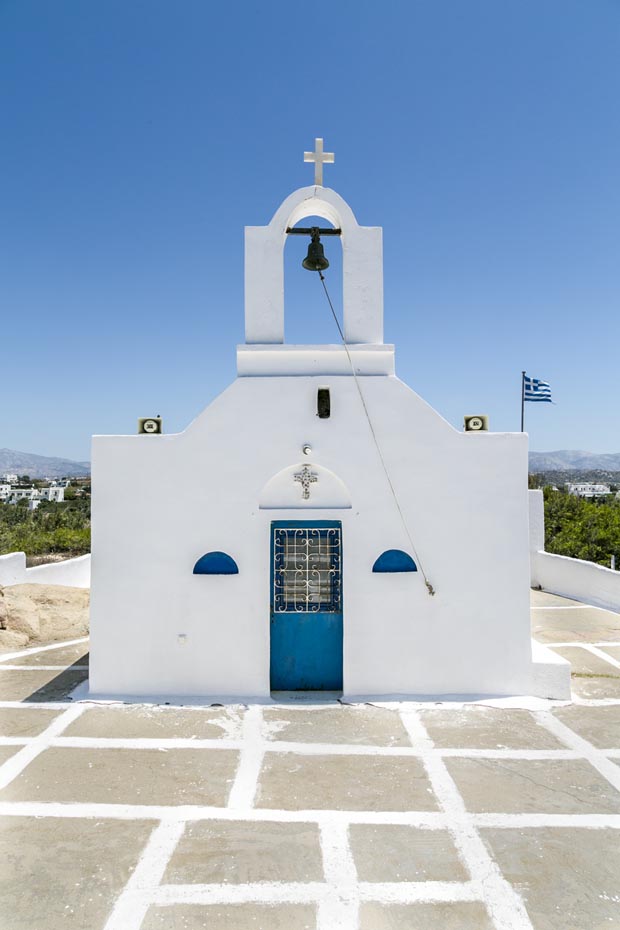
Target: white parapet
567,577
72,573
12,568
577,579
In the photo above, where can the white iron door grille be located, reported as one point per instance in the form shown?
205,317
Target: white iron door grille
307,569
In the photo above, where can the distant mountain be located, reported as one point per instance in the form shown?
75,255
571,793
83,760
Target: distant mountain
40,466
567,460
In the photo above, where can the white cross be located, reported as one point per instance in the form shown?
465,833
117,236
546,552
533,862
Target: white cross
319,157
305,478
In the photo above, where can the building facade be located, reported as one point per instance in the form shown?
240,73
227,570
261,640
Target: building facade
306,547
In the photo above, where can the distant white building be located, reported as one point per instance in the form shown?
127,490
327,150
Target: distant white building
10,479
18,494
5,490
588,490
53,493
57,495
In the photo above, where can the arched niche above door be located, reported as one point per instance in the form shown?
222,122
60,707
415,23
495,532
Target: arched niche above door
304,486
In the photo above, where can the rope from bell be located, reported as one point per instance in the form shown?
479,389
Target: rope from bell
429,586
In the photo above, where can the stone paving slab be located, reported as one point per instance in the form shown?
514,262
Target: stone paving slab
567,877
562,786
65,873
241,851
587,624
127,776
349,782
364,726
231,917
38,685
7,751
465,915
64,655
395,853
599,725
595,686
487,728
583,661
143,721
613,651
25,721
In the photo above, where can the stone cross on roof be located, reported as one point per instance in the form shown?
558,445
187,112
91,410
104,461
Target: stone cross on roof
319,157
305,478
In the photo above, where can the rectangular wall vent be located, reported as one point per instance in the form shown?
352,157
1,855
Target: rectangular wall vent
323,403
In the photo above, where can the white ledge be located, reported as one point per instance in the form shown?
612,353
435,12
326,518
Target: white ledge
282,359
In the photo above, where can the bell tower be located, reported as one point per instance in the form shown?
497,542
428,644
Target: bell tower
362,275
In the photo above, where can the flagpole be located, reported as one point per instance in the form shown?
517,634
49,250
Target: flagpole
522,399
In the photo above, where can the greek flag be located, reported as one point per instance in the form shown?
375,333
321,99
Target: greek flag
536,390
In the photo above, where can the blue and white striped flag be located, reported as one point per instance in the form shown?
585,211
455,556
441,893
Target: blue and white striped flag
536,390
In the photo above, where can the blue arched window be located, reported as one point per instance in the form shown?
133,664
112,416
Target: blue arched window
394,560
216,563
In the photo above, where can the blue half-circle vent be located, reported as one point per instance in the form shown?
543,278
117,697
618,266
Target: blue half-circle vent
216,563
394,560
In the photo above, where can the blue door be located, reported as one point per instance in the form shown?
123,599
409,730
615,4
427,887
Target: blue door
306,606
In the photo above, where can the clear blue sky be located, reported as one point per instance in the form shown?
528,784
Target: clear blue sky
138,138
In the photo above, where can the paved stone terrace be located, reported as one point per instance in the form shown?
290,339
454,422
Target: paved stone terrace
324,816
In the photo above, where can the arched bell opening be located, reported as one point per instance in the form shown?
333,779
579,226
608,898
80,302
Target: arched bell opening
359,290
308,319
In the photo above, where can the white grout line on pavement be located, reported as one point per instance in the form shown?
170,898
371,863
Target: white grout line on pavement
44,668
133,902
29,652
305,749
590,753
420,820
547,821
506,908
418,892
595,702
601,655
340,906
39,705
316,892
255,892
425,820
245,785
18,762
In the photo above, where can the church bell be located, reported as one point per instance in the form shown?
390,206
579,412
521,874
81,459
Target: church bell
315,259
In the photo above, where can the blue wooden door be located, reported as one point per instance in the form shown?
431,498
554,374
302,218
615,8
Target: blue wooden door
306,606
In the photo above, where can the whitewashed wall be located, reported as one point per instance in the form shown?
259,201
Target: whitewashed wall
558,574
13,568
74,573
464,496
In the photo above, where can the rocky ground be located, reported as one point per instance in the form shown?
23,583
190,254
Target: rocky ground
37,614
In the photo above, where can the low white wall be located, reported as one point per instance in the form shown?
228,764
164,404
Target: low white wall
559,574
73,573
583,581
13,568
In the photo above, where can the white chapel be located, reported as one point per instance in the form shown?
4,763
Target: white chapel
320,558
